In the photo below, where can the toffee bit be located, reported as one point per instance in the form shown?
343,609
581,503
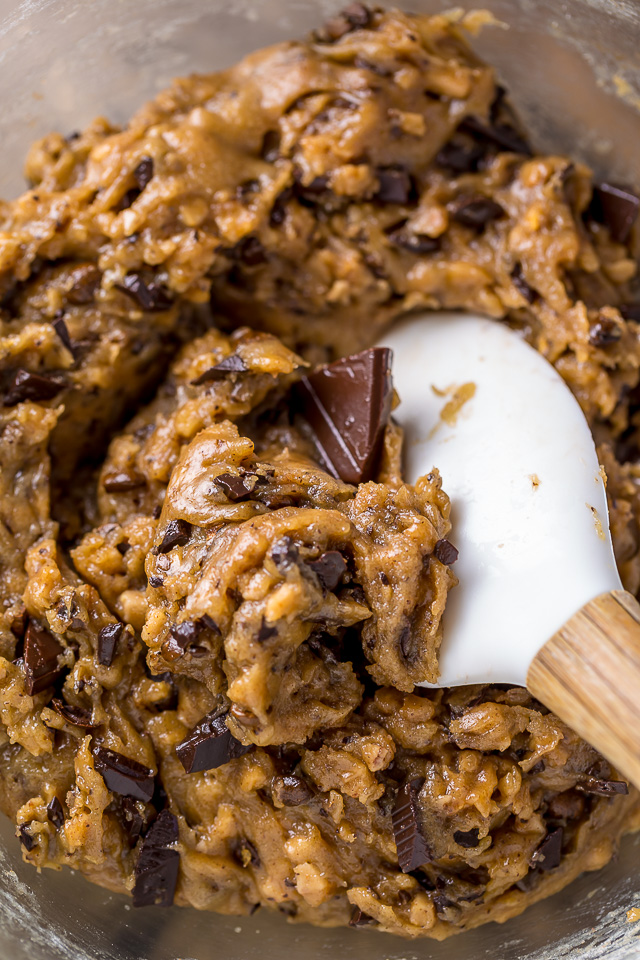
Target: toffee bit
177,534
231,364
25,386
150,296
108,639
413,850
156,873
55,813
445,552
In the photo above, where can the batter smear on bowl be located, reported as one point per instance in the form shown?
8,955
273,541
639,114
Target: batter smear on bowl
218,594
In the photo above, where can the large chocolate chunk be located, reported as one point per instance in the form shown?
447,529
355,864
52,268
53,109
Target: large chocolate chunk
123,775
329,569
209,745
348,405
176,534
31,386
234,487
413,850
231,364
41,652
158,864
395,186
445,552
108,641
615,207
549,853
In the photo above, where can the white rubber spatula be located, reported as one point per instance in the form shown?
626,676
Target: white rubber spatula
540,602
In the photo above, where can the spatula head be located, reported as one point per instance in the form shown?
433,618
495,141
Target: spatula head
529,507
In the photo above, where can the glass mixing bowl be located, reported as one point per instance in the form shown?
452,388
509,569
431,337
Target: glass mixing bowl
573,71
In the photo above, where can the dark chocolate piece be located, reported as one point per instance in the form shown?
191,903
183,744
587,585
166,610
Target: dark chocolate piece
445,552
123,481
418,243
158,864
413,850
246,855
501,134
279,210
348,405
604,332
265,632
329,569
177,534
86,279
284,552
615,207
460,159
131,820
475,212
360,919
521,285
630,311
291,791
395,186
41,652
77,716
549,853
183,636
155,581
31,386
19,623
231,364
143,172
249,251
123,775
234,487
209,745
27,841
151,296
603,788
355,16
108,641
55,813
270,146
60,328
314,193
467,838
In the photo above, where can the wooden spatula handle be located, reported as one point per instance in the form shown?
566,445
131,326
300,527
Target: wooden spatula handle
589,675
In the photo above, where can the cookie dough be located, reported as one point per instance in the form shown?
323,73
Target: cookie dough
217,593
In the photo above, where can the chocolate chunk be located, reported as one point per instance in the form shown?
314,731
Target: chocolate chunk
270,146
143,172
279,210
232,364
405,644
235,488
123,481
501,134
157,868
177,534
86,279
616,207
604,332
284,552
265,632
155,581
209,745
186,633
348,405
41,652
123,775
445,552
27,841
151,296
77,716
395,186
291,791
355,16
55,813
313,194
417,243
549,853
249,251
19,623
467,838
413,851
60,328
246,855
460,159
130,817
108,641
31,386
360,919
521,285
630,311
329,568
475,212
603,788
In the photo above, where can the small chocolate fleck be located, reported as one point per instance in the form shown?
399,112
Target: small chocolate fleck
31,386
475,211
460,159
467,838
177,534
55,813
395,186
157,867
413,850
615,207
291,791
41,652
107,642
143,172
347,405
123,775
549,853
60,328
603,332
209,745
265,632
27,841
445,552
122,481
603,788
234,487
231,364
521,285
77,716
360,919
329,569
151,296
